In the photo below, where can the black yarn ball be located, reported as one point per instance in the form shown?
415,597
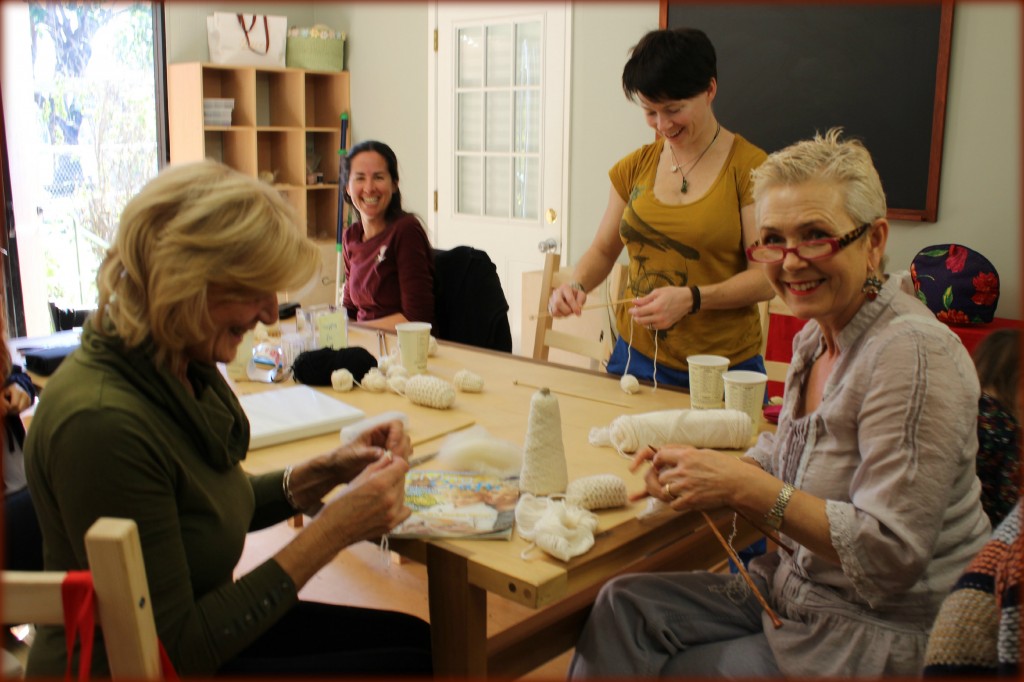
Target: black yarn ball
314,367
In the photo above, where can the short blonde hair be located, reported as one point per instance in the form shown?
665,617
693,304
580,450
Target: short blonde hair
196,225
827,158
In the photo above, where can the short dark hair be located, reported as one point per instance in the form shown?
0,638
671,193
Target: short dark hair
670,64
394,209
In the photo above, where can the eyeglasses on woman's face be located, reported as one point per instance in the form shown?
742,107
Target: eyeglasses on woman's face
812,249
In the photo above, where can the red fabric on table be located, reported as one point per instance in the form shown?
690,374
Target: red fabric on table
782,329
972,336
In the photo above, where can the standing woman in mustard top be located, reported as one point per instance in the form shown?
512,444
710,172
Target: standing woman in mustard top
682,208
389,264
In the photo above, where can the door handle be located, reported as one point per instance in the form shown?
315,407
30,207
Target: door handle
548,245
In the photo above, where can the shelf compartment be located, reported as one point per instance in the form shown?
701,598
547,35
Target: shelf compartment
282,153
325,145
327,95
321,213
235,147
279,98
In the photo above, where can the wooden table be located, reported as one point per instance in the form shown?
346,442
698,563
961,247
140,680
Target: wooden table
462,572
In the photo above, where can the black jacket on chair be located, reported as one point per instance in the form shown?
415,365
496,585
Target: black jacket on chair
469,305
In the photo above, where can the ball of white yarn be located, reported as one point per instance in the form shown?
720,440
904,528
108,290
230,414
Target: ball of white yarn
469,382
342,380
431,347
396,370
629,383
386,362
374,382
397,382
565,531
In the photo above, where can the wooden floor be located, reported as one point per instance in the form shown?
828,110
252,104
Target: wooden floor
363,575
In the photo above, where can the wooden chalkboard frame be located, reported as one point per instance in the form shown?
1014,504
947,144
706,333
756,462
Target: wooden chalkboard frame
928,210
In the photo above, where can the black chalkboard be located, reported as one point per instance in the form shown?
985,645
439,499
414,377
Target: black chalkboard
880,71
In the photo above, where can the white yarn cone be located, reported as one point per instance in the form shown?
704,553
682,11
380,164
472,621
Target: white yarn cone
544,468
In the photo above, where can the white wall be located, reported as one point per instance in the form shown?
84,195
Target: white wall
387,53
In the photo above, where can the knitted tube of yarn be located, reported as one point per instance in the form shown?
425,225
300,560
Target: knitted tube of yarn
700,428
544,468
600,491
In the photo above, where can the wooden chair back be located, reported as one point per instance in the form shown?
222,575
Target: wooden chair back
122,598
548,335
775,369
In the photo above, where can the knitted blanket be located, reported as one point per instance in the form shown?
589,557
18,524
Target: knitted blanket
977,631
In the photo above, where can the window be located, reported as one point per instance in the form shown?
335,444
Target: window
83,131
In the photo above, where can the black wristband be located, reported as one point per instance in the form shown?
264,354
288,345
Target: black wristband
696,300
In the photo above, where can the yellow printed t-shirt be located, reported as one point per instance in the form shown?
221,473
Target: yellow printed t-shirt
697,244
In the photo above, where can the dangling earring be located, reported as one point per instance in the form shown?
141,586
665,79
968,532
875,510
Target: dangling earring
872,286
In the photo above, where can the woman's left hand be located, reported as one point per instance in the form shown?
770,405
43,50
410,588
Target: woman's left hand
690,478
663,307
313,479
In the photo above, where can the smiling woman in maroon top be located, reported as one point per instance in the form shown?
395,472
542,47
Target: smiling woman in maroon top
389,264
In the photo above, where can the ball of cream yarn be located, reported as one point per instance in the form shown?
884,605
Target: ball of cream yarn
342,380
468,382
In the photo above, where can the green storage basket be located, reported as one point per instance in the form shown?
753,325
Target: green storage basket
318,54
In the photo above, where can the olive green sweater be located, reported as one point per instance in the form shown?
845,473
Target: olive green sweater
115,436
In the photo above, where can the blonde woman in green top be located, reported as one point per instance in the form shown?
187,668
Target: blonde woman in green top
140,423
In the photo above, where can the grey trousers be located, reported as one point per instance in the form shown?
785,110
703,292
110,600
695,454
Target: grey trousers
674,625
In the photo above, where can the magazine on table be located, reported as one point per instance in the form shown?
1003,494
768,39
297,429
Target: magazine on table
458,504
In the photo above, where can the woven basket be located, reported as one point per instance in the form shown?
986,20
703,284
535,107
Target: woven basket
319,54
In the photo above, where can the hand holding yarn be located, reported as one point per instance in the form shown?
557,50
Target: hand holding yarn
662,308
692,478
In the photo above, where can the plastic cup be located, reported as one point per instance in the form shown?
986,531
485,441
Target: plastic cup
706,380
744,391
413,345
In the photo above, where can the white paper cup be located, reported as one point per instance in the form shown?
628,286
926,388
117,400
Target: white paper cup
413,345
744,391
706,380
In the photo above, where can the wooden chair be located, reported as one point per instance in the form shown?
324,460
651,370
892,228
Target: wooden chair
775,369
597,347
122,598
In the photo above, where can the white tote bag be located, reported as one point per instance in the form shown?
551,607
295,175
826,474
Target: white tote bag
247,39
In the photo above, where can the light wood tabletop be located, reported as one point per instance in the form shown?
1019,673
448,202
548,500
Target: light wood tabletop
462,572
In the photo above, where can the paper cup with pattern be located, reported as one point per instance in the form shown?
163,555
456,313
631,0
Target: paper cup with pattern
706,380
413,345
744,391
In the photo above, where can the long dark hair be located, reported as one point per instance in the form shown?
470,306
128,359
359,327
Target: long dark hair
394,209
997,359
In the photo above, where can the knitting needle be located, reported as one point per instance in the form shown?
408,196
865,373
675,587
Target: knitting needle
433,436
591,306
739,564
743,571
572,395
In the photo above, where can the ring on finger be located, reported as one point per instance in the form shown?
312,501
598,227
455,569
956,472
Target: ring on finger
668,491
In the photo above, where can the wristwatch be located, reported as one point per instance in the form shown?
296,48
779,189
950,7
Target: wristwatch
773,519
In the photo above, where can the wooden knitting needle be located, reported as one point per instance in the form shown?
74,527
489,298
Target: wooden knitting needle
768,533
516,382
736,560
591,306
434,436
743,571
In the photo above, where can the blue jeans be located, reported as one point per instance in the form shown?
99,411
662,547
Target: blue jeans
642,367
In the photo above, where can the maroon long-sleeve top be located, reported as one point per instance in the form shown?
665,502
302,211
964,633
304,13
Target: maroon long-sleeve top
392,272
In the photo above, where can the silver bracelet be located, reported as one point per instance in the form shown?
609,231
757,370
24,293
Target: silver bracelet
577,286
286,488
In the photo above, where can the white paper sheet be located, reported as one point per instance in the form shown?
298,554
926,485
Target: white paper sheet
288,414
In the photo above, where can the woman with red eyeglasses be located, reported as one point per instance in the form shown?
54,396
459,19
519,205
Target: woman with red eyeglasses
869,479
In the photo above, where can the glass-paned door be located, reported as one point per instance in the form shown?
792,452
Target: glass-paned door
500,116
